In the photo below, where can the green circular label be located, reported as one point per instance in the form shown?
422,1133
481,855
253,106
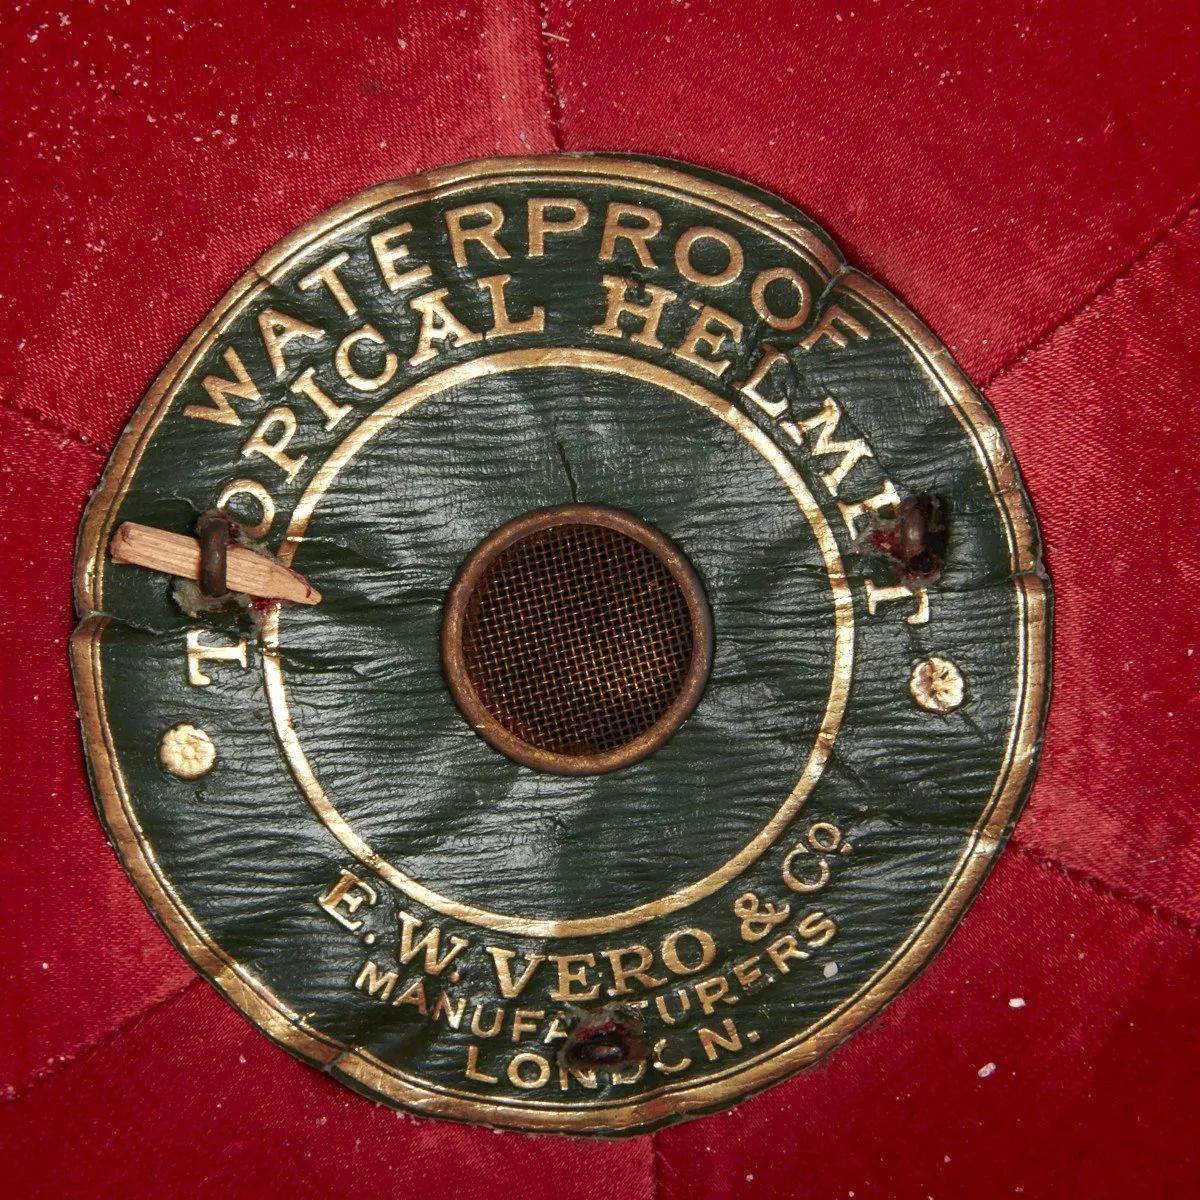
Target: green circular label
303,804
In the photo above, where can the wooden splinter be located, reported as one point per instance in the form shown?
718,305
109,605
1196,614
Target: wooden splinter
178,554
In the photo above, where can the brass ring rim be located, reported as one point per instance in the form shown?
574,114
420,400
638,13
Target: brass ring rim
477,714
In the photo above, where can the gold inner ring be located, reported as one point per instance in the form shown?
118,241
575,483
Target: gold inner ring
841,603
576,640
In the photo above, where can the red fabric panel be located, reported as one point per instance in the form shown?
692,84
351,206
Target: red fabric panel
153,152
1094,1092
1103,421
79,953
997,166
193,1102
1083,1100
992,163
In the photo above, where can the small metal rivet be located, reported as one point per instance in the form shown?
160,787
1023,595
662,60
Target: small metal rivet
937,685
187,752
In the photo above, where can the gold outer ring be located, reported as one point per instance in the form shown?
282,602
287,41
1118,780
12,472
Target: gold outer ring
291,1029
480,717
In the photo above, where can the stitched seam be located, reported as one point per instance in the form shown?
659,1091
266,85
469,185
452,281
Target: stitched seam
17,409
553,99
11,1095
1189,207
1140,903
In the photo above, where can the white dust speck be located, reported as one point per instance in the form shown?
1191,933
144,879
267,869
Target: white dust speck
1017,1002
829,970
986,1070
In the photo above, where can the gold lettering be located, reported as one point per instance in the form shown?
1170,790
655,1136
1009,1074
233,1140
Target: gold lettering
670,950
685,1005
477,1024
572,971
773,408
555,1033
746,971
451,1010
883,595
327,274
699,233
617,229
711,330
484,234
648,312
569,1071
249,487
783,949
710,991
351,892
502,324
851,513
345,368
710,1039
817,929
758,297
525,1021
284,419
630,1073
370,981
389,250
278,331
660,1063
800,852
308,387
430,943
826,423
540,224
220,411
414,994
502,958
473,1071
639,971
198,653
438,324
833,320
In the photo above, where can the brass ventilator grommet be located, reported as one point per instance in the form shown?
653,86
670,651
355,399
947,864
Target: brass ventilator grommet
576,640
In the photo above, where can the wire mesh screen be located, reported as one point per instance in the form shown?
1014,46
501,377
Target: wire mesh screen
577,639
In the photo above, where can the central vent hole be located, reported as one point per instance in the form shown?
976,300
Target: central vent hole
577,639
